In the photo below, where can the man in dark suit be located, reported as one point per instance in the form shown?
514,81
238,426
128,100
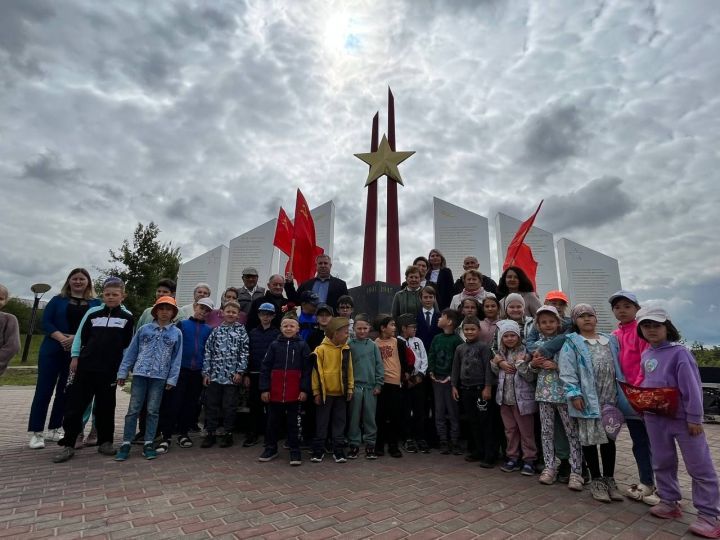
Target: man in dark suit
427,317
328,288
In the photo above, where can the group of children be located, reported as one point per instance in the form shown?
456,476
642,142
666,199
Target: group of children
549,382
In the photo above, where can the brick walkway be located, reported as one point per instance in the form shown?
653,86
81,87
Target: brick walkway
226,493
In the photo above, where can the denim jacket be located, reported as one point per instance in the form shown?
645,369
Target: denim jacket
576,372
155,352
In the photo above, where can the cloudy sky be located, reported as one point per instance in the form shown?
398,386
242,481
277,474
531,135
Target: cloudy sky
205,117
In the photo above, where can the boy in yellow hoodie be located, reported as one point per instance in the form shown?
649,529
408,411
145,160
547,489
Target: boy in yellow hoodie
332,385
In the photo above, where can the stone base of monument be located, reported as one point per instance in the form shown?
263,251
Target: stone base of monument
373,298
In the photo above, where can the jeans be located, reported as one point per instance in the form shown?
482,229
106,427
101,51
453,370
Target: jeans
52,377
641,450
144,388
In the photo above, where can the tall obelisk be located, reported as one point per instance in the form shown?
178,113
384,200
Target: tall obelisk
392,252
371,211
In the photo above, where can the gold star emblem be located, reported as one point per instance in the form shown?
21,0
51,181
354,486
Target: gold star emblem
384,162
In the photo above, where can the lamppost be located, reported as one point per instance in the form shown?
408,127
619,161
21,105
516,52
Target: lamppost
38,290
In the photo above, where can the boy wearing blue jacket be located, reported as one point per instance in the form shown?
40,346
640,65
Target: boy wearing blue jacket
179,404
154,357
284,384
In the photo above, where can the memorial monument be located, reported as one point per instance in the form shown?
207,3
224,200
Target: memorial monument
590,277
210,268
541,243
459,233
373,296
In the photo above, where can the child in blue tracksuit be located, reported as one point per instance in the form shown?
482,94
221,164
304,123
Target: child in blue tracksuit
154,357
179,406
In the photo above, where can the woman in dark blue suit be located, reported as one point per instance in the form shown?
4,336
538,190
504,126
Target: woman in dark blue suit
440,277
61,320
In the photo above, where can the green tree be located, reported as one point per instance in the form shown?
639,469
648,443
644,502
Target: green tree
22,312
141,264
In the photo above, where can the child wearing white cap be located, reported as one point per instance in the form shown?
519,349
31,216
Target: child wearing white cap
670,366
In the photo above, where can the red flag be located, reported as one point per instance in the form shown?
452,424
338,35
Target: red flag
284,232
305,252
519,253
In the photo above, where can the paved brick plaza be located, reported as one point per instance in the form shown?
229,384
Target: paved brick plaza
226,493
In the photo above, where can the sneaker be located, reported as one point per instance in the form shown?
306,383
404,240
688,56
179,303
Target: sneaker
423,447
354,452
339,456
575,482
410,446
78,442
91,439
548,476
317,456
370,452
123,452
599,491
652,499
106,449
208,441
444,448
250,440
55,434
456,449
226,441
64,455
706,526
637,491
269,454
163,446
295,458
511,465
528,469
613,490
394,451
149,452
37,441
666,510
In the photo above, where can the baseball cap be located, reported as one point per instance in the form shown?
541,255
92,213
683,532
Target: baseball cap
309,297
267,306
325,307
557,295
656,314
206,302
627,295
547,309
249,271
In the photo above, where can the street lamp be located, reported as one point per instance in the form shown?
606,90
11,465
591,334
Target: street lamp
38,290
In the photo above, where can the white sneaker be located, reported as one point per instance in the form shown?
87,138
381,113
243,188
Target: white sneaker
37,441
55,434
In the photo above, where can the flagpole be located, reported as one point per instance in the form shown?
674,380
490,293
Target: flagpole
292,255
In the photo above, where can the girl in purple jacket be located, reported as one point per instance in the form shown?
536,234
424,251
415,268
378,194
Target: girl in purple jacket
669,366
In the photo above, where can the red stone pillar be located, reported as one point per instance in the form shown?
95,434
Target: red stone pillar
392,265
371,211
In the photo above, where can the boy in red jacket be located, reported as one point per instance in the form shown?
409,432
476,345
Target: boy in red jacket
284,384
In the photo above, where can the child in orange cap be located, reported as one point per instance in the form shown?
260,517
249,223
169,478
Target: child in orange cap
154,356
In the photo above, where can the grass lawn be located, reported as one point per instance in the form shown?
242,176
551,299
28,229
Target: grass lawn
24,377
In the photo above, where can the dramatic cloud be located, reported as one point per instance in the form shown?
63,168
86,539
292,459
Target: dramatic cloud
205,117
